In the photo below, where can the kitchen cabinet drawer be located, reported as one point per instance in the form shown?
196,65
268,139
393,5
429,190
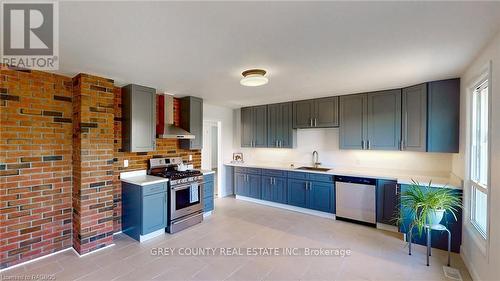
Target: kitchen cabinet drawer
320,177
154,188
274,173
298,175
246,170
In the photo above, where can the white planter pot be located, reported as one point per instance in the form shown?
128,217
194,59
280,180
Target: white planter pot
434,217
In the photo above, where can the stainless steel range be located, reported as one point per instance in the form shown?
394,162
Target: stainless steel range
186,192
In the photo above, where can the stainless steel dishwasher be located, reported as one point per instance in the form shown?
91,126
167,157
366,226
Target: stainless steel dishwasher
355,199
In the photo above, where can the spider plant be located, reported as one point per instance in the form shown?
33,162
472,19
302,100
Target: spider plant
423,202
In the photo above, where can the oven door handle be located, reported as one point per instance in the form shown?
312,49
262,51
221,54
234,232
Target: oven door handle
185,186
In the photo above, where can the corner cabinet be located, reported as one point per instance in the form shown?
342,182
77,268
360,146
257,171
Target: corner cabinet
139,118
192,121
443,119
371,121
254,126
280,132
317,113
431,117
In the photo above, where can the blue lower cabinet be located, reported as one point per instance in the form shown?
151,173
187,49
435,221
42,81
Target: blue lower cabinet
208,189
208,192
208,204
297,193
321,196
438,238
274,189
248,185
240,183
154,215
144,209
254,182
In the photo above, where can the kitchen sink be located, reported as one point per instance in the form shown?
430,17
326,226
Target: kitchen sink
318,169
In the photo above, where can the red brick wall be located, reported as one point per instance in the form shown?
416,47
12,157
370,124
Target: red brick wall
139,160
35,164
60,159
93,133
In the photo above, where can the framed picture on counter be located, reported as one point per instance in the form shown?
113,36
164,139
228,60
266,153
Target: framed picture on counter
238,157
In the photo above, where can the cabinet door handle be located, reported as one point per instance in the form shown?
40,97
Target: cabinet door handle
315,122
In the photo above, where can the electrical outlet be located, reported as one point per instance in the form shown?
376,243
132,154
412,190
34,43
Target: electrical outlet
190,157
125,163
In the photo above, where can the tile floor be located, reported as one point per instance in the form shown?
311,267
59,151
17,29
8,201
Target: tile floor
376,254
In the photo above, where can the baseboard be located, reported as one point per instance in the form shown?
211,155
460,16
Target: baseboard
287,207
468,265
387,227
89,253
33,260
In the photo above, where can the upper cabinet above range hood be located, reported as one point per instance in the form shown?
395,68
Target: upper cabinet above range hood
166,128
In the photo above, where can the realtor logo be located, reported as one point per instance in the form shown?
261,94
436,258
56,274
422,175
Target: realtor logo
30,35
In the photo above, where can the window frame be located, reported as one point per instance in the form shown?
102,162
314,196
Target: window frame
482,239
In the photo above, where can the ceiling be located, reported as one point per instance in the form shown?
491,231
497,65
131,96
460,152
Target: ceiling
309,49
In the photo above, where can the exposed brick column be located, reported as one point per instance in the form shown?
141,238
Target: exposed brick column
35,164
93,142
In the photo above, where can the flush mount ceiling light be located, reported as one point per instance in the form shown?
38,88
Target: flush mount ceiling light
253,78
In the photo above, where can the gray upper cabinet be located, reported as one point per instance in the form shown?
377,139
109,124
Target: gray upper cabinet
192,121
443,115
303,114
414,123
326,112
279,125
371,121
431,116
139,118
353,120
384,120
254,126
247,126
317,113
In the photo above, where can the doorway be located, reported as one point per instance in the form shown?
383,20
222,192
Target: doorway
211,151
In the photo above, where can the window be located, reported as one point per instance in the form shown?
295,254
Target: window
479,150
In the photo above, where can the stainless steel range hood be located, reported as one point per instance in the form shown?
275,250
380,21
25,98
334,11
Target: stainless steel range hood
170,131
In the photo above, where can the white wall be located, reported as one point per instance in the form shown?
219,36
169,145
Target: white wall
225,116
326,142
482,266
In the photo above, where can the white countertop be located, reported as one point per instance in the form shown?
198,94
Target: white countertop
401,176
140,178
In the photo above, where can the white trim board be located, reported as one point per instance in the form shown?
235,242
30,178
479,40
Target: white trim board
287,207
95,251
36,259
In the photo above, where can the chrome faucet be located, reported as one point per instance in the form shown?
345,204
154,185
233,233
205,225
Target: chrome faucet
316,162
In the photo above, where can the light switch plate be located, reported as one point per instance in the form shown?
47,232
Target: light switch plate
125,163
190,157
